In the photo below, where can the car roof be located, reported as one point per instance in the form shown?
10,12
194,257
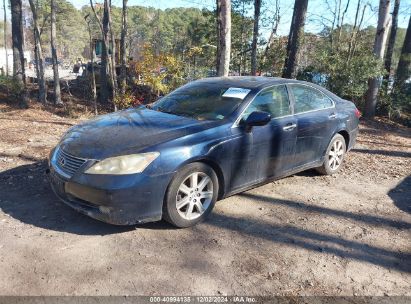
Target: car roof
257,83
250,82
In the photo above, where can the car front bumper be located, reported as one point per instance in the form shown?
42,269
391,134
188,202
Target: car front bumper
139,201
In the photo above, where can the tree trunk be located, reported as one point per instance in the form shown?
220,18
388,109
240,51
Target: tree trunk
404,65
341,23
391,40
295,38
241,54
36,57
379,47
276,22
354,40
104,67
5,37
17,40
113,57
57,93
93,74
39,56
123,56
223,36
257,8
354,30
18,52
218,24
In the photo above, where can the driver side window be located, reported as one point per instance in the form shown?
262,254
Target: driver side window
273,101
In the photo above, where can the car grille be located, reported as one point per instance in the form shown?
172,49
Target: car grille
67,163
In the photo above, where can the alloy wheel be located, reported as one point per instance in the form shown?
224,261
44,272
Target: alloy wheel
194,195
336,154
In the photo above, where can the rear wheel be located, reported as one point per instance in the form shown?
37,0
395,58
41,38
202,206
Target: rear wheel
191,195
334,156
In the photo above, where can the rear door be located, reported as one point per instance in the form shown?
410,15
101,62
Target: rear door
315,115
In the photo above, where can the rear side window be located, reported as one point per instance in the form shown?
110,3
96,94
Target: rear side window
309,99
273,100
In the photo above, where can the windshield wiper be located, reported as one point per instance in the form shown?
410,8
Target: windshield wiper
160,109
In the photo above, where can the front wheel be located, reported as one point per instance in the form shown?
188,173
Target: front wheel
334,156
191,195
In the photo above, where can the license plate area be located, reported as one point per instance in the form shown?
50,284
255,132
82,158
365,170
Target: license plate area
58,182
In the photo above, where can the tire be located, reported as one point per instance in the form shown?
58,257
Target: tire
332,161
187,202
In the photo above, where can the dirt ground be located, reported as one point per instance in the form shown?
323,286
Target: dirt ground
307,234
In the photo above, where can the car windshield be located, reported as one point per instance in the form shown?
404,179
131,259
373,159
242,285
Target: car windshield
202,101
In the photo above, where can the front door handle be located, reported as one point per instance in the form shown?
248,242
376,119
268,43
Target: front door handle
332,116
289,127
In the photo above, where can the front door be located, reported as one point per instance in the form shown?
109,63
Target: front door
274,147
269,149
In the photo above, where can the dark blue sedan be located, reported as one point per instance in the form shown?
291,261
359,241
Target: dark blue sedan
205,141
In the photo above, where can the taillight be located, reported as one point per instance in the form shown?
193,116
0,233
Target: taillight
357,113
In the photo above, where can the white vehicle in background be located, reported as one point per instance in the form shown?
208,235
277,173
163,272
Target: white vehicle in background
8,60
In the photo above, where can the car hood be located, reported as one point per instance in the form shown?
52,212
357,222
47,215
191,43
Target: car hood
128,131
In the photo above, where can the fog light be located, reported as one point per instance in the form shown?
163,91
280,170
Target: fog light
104,209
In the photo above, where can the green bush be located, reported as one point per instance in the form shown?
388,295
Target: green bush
348,78
10,86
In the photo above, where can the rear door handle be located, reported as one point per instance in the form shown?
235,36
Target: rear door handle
289,127
332,116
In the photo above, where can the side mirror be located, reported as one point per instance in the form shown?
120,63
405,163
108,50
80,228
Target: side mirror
257,118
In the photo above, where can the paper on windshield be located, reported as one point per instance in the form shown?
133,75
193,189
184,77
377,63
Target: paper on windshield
236,93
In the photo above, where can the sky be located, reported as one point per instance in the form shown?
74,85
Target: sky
317,11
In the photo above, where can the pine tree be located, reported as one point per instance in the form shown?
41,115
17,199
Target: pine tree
223,37
295,38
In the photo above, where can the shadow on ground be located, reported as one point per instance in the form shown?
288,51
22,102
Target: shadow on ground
320,241
401,195
26,196
384,152
316,242
306,208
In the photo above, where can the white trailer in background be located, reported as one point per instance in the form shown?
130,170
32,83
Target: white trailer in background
27,59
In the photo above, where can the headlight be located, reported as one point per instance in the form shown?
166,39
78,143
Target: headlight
125,164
